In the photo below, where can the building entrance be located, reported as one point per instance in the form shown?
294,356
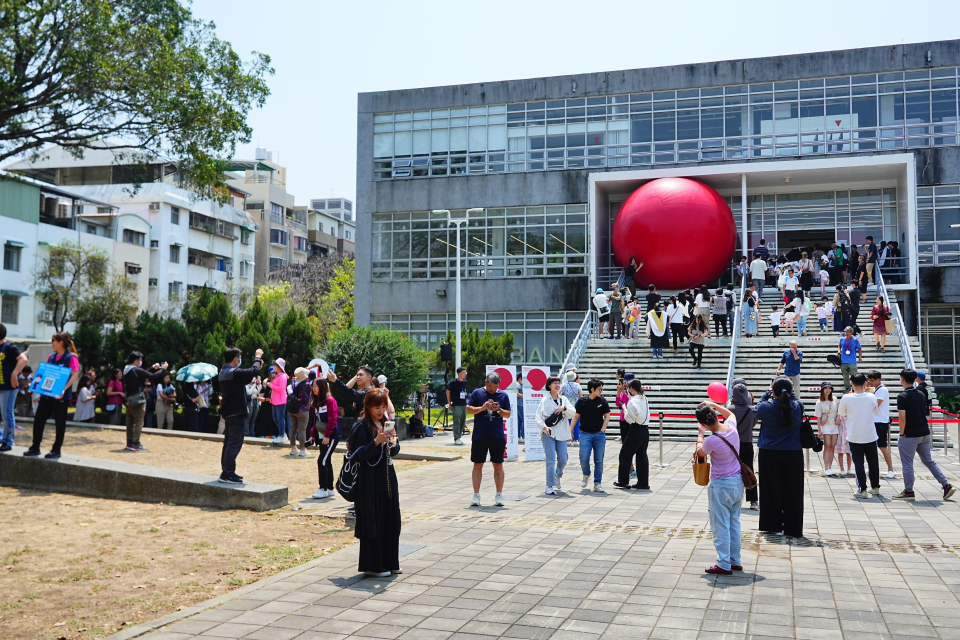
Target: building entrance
788,240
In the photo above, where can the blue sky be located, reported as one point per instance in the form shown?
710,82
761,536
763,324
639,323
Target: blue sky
326,52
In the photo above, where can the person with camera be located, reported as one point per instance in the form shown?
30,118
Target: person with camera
457,402
635,427
489,407
552,419
134,397
233,407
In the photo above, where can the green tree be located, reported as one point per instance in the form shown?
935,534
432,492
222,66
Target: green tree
210,322
276,298
298,341
336,307
479,350
78,284
388,352
258,331
146,72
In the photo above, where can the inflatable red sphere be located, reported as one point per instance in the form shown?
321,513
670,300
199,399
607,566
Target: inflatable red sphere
680,229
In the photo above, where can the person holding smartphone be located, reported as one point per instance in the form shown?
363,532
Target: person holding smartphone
489,407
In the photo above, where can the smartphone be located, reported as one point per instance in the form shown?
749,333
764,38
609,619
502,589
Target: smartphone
389,425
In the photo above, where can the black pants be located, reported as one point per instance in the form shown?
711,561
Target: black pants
233,431
190,415
677,329
718,322
383,552
781,491
868,450
50,407
635,446
325,463
746,456
696,350
616,322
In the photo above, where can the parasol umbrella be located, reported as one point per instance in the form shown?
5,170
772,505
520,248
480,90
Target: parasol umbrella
321,364
197,372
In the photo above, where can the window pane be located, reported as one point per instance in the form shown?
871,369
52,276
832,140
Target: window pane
762,119
383,145
918,107
401,245
421,143
576,238
925,224
555,240
736,121
891,109
478,138
864,112
711,123
640,128
418,244
497,137
786,115
664,126
688,125
944,106
403,143
458,139
945,218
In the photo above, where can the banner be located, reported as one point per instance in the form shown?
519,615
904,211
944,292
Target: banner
534,389
508,384
50,380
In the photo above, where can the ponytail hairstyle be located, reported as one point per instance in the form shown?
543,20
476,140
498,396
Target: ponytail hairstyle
636,386
782,391
64,338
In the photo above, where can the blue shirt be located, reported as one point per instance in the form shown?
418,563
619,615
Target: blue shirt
774,435
791,365
488,426
763,251
848,350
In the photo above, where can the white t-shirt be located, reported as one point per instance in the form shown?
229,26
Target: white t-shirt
790,284
600,301
859,409
821,313
675,314
883,413
757,269
701,303
775,318
825,275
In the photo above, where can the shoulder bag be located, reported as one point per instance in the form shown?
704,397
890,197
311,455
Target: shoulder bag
701,469
749,477
554,418
809,439
348,483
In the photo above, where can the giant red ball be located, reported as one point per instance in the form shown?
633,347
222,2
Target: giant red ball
680,229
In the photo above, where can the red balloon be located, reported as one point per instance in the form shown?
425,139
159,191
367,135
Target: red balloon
681,230
717,391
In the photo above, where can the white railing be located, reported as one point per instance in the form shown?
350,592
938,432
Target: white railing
587,329
898,324
735,333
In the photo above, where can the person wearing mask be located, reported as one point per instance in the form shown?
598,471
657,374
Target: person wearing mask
346,395
828,428
592,416
552,419
880,313
859,410
882,420
602,304
298,409
134,377
850,354
698,332
327,416
115,396
780,460
166,398
676,314
253,391
741,406
457,402
725,491
790,363
12,362
719,313
758,272
278,400
64,355
636,415
751,315
233,407
657,330
377,506
489,407
190,406
915,438
86,399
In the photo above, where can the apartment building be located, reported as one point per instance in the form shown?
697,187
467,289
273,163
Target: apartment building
330,226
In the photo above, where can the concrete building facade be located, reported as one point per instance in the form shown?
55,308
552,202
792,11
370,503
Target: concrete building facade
330,226
810,148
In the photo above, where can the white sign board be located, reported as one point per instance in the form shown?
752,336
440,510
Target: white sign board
534,388
508,384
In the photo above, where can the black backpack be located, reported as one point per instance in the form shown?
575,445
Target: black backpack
846,305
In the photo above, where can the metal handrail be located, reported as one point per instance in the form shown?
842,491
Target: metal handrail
735,333
587,329
898,323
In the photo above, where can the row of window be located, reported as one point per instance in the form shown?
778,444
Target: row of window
938,224
939,326
833,115
495,243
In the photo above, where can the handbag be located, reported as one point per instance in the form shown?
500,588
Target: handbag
888,326
554,418
746,472
701,470
809,439
136,400
348,483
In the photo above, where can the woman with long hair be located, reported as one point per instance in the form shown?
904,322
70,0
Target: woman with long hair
741,405
326,415
751,315
827,428
634,447
630,272
702,304
298,411
64,355
780,460
373,446
554,438
698,332
115,396
806,272
879,314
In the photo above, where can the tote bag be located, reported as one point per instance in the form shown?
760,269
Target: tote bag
701,470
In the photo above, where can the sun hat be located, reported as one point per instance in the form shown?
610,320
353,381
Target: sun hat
282,364
825,384
599,290
300,374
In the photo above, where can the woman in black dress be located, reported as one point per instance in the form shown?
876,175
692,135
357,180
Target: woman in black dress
378,503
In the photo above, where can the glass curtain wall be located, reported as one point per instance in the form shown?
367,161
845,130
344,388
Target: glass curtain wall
939,328
938,209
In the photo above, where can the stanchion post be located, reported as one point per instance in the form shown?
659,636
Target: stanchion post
661,439
809,469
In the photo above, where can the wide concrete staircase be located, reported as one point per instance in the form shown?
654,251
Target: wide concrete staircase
679,388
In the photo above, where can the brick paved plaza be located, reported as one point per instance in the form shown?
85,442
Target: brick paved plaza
583,566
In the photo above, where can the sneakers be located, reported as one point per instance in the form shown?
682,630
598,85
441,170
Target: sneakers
754,506
829,473
5,447
31,452
598,488
861,495
875,491
294,451
890,475
549,491
304,453
718,571
948,490
458,442
230,479
53,455
130,447
583,483
557,486
621,486
498,500
396,571
321,494
905,495
476,500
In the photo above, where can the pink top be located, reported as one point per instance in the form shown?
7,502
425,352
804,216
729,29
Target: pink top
114,385
622,399
723,464
279,387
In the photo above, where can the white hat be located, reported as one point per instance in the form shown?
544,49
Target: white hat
382,378
282,364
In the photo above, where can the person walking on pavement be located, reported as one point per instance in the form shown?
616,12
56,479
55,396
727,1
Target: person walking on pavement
859,409
489,407
552,419
636,414
915,438
851,354
233,406
676,314
827,427
741,405
790,364
593,416
327,420
457,402
135,399
882,420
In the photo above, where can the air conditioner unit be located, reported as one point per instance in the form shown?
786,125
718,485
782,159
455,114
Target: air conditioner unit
154,206
45,316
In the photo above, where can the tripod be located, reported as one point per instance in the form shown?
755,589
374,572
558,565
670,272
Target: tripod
442,417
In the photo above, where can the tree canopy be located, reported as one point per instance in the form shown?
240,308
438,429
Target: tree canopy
479,350
145,73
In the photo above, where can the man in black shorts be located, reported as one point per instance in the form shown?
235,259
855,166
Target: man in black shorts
489,407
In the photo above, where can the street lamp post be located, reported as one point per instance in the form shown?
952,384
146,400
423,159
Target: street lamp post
457,222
